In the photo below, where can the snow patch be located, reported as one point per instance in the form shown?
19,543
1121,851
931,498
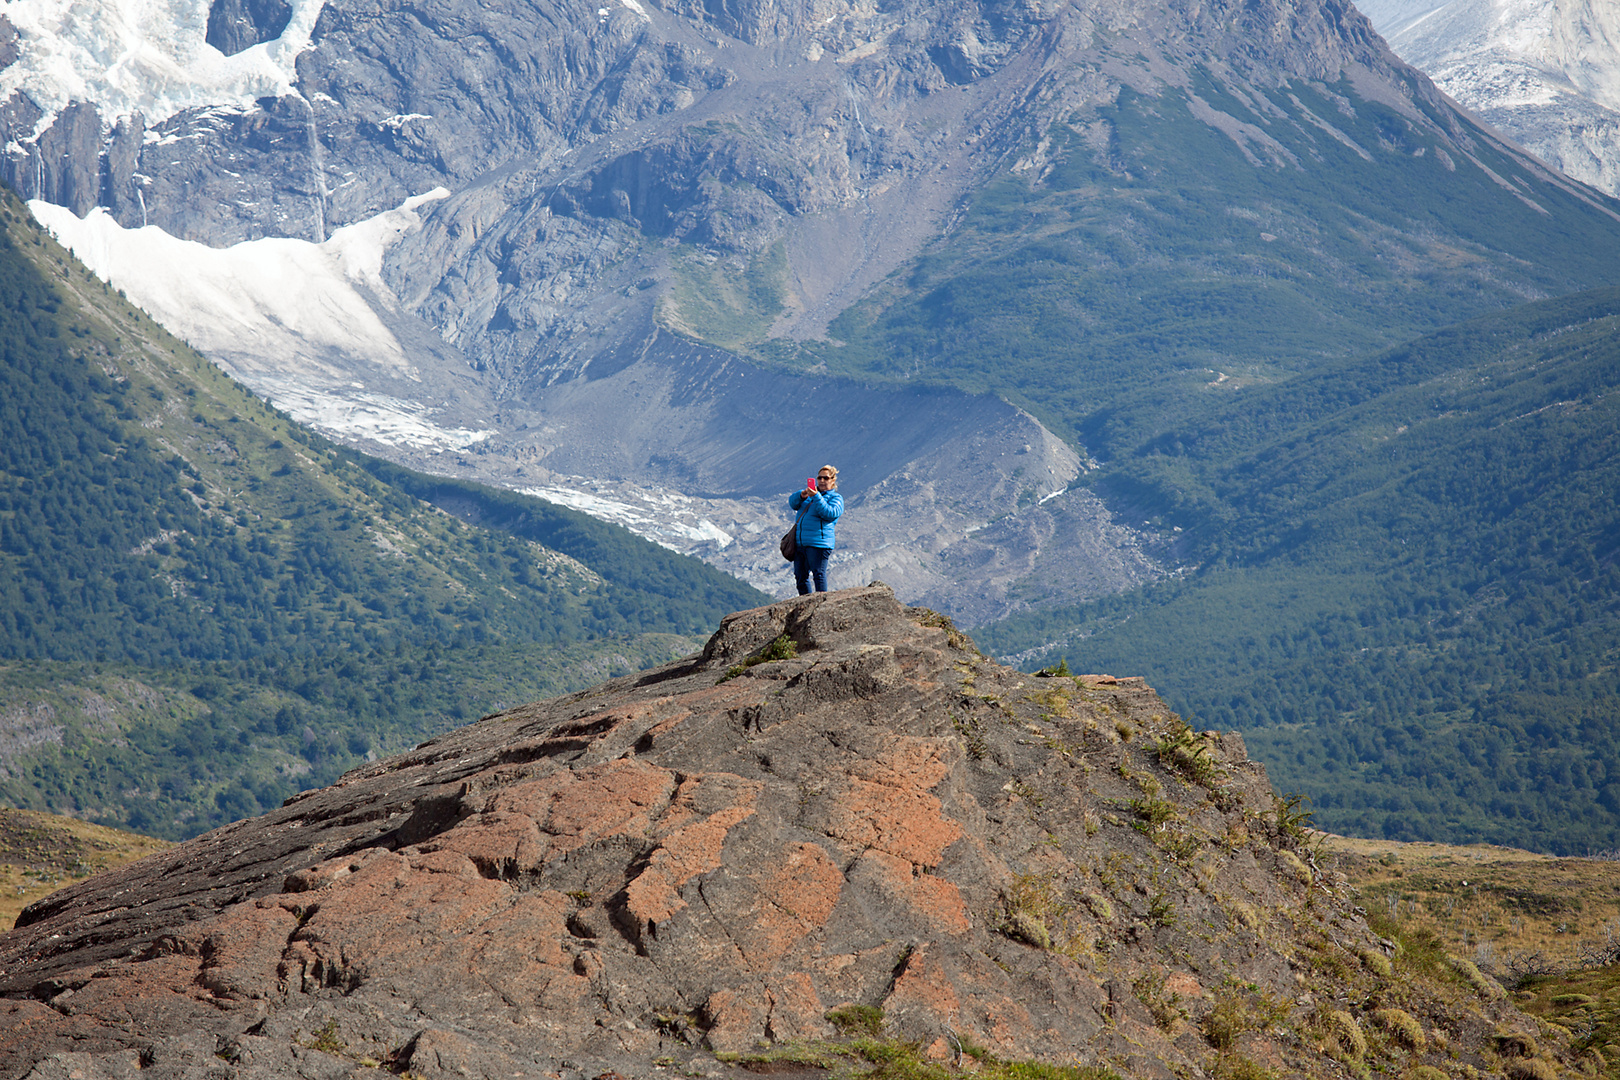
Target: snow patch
399,120
361,414
143,56
302,295
647,518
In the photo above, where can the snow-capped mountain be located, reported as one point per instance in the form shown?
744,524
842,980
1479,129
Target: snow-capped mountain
600,250
1546,72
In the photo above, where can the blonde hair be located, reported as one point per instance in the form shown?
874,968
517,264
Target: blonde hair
833,486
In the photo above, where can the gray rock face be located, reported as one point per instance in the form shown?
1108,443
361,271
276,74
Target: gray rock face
8,43
234,25
67,161
1548,75
838,802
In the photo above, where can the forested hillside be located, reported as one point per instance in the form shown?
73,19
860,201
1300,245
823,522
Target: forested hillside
1406,591
205,607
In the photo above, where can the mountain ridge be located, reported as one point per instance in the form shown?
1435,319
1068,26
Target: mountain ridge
1547,77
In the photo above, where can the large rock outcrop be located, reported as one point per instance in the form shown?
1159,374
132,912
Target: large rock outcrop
839,802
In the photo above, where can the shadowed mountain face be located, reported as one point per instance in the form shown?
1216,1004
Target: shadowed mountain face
629,198
838,803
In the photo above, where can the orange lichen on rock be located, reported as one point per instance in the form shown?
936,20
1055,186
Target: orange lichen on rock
935,899
391,918
796,899
577,807
795,1009
924,985
734,1020
899,818
807,886
243,947
911,762
889,805
502,843
704,810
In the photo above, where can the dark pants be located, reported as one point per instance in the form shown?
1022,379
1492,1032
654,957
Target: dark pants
811,563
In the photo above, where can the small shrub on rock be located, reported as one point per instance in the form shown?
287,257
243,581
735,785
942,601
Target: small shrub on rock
1566,1000
1028,929
1185,753
1483,984
928,617
1296,866
782,647
1033,909
1165,1005
1403,1027
1099,906
1516,1044
1345,1041
1238,1067
857,1020
1237,1011
1376,962
1424,1072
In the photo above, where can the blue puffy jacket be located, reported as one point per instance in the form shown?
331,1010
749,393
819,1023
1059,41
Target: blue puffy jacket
815,525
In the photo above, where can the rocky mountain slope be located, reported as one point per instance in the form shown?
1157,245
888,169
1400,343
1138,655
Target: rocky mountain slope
1548,75
634,224
839,817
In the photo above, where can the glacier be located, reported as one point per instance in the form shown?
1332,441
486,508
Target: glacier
294,320
143,56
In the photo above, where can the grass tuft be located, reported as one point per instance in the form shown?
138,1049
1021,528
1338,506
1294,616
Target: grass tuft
782,647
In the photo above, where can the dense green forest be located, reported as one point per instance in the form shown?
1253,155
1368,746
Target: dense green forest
1406,592
1398,560
205,607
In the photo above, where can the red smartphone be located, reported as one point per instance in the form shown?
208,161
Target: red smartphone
810,482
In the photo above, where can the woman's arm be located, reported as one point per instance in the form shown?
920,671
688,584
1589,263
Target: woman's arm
828,506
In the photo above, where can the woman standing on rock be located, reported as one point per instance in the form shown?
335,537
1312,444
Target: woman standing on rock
819,506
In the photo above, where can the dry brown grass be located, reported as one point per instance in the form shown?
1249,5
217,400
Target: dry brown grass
40,853
1488,904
